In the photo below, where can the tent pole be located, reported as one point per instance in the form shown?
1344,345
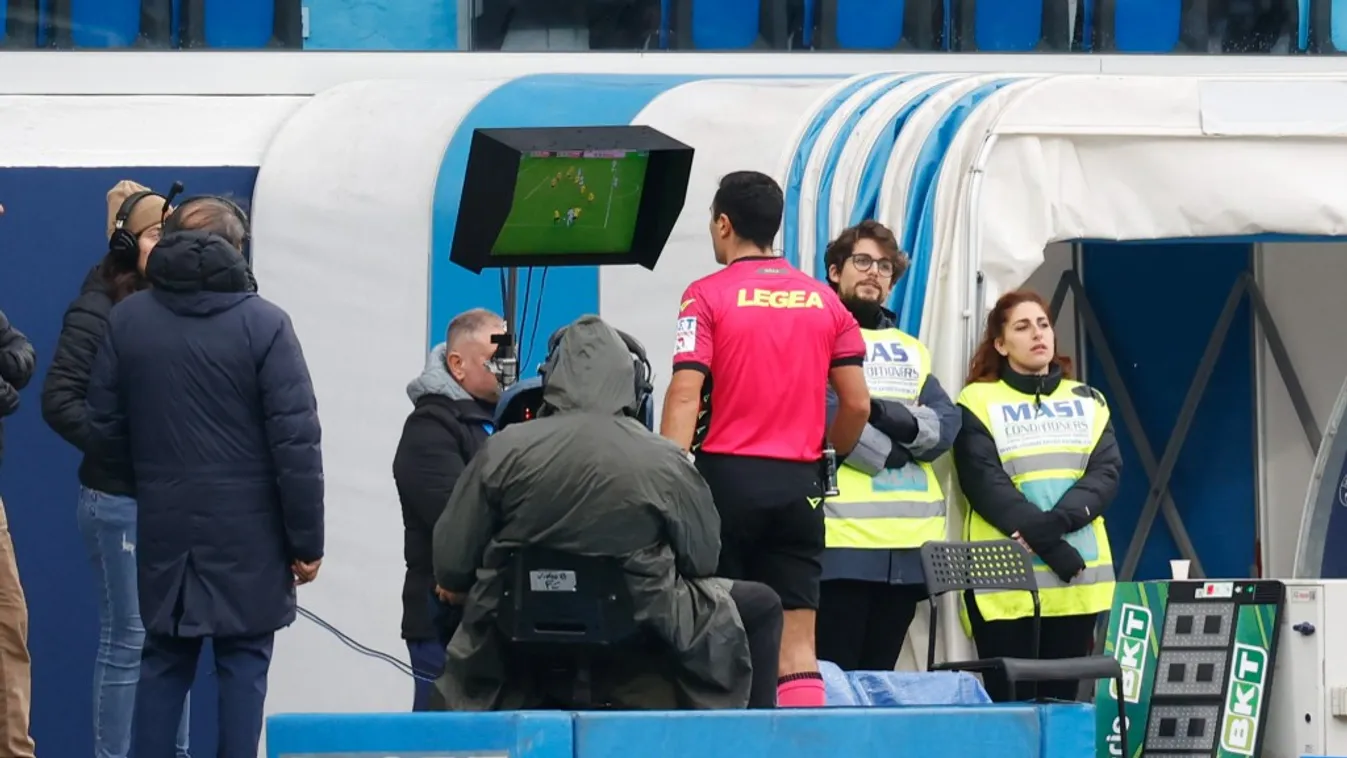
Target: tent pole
1282,358
1187,412
1160,499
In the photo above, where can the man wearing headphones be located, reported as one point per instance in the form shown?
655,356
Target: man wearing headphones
200,396
587,477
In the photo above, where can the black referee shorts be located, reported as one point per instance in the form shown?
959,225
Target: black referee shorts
771,523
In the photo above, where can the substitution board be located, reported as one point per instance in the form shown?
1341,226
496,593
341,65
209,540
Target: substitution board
1197,662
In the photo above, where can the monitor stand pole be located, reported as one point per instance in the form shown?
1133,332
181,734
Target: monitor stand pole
507,347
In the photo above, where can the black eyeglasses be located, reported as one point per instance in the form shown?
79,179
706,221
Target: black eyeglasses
863,262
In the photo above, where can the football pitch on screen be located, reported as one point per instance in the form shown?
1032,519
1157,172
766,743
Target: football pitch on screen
573,205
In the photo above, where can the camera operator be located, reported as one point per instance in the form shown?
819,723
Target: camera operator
587,478
757,346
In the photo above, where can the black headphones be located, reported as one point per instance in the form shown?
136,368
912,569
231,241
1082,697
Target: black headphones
640,408
124,246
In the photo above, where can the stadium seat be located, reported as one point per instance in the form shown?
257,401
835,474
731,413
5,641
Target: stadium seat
252,24
1011,25
1328,26
728,24
96,23
18,19
1186,26
880,24
1138,26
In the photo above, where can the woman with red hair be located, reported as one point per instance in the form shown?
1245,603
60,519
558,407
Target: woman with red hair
1038,463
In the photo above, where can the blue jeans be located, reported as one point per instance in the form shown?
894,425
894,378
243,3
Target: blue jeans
108,524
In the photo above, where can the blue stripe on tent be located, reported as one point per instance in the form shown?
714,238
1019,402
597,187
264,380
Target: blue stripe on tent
537,100
822,223
877,162
790,230
918,229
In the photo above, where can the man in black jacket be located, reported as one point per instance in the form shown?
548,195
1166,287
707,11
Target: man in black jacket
455,398
17,360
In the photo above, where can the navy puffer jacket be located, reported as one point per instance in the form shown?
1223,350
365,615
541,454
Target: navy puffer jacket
201,396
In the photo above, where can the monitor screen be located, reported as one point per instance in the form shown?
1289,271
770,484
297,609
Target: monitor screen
568,196
574,201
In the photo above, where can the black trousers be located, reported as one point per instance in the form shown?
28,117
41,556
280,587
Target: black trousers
1059,637
861,625
167,669
760,610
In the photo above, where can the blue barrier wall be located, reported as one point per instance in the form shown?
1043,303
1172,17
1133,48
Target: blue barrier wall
53,232
1011,731
1158,304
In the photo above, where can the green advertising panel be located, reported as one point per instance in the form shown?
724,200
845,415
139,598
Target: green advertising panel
1134,640
1197,662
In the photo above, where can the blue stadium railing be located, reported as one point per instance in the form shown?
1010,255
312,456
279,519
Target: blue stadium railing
1122,26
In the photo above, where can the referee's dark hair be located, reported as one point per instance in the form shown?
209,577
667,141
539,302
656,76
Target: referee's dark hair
842,248
752,202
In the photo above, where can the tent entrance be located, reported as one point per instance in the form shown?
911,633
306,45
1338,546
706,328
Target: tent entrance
1159,500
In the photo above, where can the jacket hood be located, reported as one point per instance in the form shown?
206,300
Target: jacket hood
197,274
435,378
591,370
197,262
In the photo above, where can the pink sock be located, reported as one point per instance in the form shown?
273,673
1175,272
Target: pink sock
801,691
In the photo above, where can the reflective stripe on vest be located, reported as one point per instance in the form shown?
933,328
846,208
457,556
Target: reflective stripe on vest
897,508
1045,444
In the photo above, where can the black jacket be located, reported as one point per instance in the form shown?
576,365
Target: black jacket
444,431
990,492
201,396
65,390
17,360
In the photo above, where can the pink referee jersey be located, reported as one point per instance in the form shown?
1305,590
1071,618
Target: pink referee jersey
765,335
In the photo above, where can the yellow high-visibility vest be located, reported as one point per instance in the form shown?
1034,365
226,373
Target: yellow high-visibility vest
1045,444
897,508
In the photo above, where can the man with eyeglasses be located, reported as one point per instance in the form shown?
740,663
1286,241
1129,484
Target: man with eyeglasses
890,501
455,400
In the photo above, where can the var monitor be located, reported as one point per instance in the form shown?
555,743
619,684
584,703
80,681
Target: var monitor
575,196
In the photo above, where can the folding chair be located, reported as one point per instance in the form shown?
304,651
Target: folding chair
1006,566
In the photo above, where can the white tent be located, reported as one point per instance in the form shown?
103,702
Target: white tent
984,172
